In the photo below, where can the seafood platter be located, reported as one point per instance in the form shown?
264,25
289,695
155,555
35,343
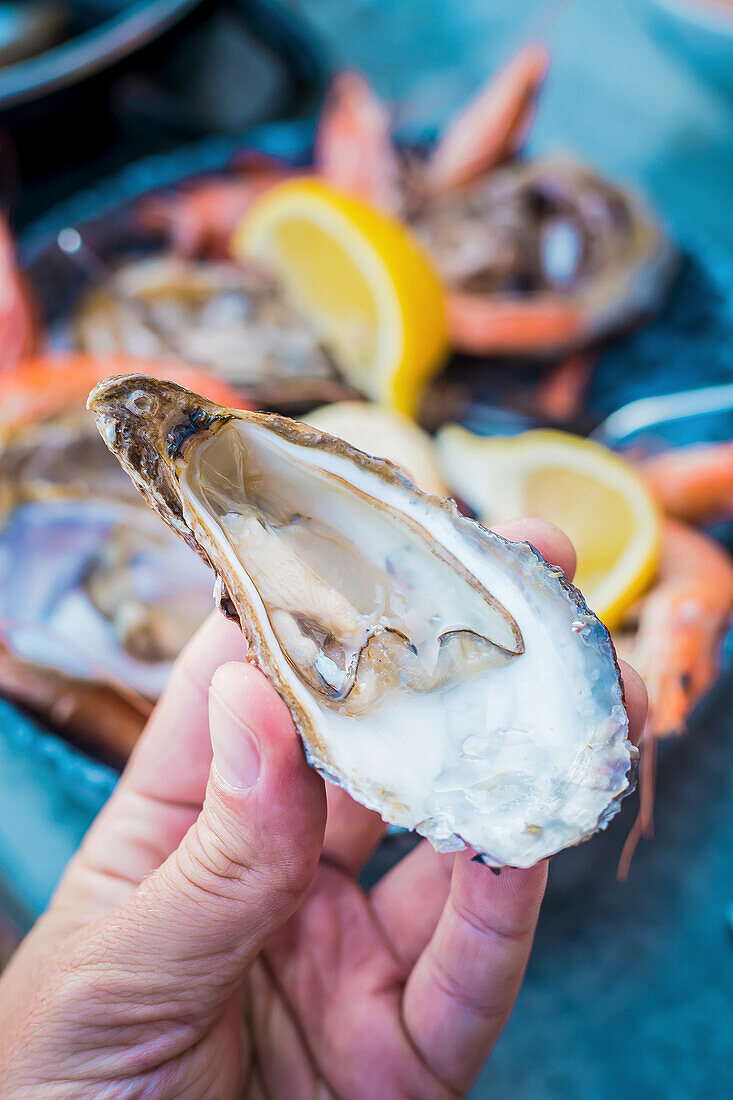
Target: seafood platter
316,385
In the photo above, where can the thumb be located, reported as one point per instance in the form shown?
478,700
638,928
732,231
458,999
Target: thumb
197,923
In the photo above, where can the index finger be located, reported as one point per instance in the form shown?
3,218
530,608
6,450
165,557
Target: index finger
463,988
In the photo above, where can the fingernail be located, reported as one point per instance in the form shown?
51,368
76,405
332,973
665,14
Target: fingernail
236,753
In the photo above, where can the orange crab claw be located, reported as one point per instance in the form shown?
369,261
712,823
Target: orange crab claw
488,324
353,145
17,311
492,126
46,385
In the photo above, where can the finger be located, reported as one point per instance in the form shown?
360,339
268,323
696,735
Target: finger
637,702
463,987
171,761
549,540
409,899
241,869
352,831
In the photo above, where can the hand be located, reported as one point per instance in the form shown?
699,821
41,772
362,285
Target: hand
210,938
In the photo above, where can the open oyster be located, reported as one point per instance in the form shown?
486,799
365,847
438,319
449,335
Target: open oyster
451,680
230,320
97,596
551,234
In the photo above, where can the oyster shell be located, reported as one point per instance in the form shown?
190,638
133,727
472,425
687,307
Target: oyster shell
386,433
121,593
550,230
97,596
451,680
230,320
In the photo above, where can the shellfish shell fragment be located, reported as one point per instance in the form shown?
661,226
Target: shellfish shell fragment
431,667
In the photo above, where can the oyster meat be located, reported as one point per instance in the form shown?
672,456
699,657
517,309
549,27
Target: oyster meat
230,320
550,229
450,680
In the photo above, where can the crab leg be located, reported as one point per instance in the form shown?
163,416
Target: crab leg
17,313
486,324
47,385
200,219
492,126
353,146
693,483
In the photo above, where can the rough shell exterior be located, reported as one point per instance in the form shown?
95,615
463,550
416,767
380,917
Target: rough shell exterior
150,425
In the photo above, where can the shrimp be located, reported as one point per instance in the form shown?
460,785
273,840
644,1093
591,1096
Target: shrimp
48,385
536,257
353,147
492,126
200,219
17,312
693,483
502,324
674,646
680,622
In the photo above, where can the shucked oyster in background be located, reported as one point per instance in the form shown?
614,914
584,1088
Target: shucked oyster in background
579,256
225,318
450,680
97,597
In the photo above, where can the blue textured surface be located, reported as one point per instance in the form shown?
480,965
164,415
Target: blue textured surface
50,794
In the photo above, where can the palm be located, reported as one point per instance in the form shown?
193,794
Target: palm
320,1013
357,994
324,1001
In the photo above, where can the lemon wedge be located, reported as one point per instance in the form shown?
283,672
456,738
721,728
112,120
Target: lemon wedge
597,499
361,280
